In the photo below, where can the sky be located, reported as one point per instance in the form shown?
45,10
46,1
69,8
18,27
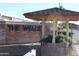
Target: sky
17,9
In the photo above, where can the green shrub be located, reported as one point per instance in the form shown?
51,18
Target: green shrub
48,39
59,39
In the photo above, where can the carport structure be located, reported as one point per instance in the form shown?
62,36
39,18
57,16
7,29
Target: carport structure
54,14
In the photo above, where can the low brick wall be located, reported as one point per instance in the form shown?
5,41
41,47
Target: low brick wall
54,50
2,32
45,50
17,37
22,37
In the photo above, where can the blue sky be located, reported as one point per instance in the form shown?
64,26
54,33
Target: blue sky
17,9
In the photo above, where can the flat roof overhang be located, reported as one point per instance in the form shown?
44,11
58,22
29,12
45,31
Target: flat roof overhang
53,14
54,17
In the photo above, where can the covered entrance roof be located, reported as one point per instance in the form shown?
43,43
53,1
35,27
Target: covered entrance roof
53,14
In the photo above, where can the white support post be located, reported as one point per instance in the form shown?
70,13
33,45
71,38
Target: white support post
67,27
43,29
54,29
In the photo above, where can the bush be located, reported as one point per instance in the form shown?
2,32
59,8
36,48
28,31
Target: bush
59,39
48,39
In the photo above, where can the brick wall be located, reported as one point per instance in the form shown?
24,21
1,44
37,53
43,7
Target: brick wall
2,32
45,50
54,50
13,37
22,36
